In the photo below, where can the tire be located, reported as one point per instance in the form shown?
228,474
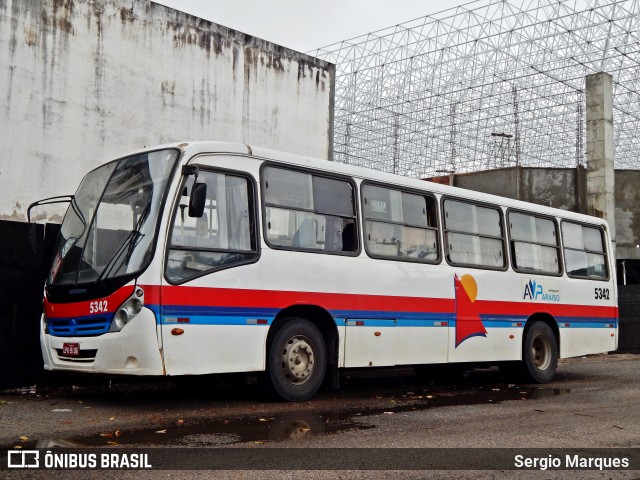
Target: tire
296,361
539,353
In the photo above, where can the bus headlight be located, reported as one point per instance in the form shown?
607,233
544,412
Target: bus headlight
127,311
45,324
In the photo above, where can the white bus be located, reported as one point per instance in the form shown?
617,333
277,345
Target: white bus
209,257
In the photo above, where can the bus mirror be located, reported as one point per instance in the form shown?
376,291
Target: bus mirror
197,200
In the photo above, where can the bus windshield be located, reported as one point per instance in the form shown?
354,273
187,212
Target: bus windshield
110,227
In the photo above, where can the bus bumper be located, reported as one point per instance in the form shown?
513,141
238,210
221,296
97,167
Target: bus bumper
131,351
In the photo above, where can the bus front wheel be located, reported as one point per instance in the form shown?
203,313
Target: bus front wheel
296,361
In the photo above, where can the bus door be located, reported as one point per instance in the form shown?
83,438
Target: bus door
204,323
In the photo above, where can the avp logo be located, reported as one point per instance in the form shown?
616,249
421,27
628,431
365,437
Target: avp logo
23,458
536,291
532,290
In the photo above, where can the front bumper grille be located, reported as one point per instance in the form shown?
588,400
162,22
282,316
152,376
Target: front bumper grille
78,327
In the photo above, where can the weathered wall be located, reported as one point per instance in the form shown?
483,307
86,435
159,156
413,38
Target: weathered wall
499,182
554,187
83,81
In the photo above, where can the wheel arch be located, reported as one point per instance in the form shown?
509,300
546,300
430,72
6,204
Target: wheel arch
317,315
547,318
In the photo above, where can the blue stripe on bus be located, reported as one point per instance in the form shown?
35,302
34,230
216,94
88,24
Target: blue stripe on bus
185,310
231,320
573,320
245,316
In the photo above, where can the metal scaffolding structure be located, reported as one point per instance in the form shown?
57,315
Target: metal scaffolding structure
492,83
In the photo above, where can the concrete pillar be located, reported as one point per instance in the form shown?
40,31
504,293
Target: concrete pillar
600,173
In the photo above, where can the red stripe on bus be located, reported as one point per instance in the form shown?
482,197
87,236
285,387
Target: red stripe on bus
151,294
278,299
228,297
83,309
526,309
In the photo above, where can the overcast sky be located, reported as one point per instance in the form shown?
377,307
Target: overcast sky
305,25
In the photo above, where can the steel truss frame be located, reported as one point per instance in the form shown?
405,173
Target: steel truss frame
492,83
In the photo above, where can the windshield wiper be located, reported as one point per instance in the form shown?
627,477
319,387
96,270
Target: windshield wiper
128,245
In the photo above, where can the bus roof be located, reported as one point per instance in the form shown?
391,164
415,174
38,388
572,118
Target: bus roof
192,148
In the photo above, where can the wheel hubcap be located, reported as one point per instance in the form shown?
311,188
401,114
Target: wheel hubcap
541,352
297,360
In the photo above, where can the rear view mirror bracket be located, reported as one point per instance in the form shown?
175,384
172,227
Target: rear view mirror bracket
198,197
48,201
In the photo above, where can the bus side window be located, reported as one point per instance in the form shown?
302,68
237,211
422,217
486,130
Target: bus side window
584,251
474,235
308,212
535,245
222,237
400,225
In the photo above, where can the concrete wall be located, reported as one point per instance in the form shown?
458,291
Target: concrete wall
550,187
565,188
84,81
499,182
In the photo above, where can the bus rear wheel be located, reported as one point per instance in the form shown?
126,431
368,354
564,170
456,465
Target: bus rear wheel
539,356
296,361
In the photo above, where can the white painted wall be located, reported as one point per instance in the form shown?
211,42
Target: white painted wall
84,81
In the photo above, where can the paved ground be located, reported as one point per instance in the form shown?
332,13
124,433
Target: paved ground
593,402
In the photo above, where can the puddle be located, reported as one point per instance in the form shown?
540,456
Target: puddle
297,426
292,427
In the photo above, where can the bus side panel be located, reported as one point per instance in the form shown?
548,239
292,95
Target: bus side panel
205,347
371,342
590,326
488,322
576,341
500,344
424,344
403,313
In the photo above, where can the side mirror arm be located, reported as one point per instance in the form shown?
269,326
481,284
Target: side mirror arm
48,201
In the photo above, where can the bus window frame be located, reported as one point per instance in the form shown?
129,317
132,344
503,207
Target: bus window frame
445,231
559,246
253,225
603,238
319,173
411,191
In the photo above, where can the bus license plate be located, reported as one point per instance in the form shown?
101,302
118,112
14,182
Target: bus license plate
71,349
